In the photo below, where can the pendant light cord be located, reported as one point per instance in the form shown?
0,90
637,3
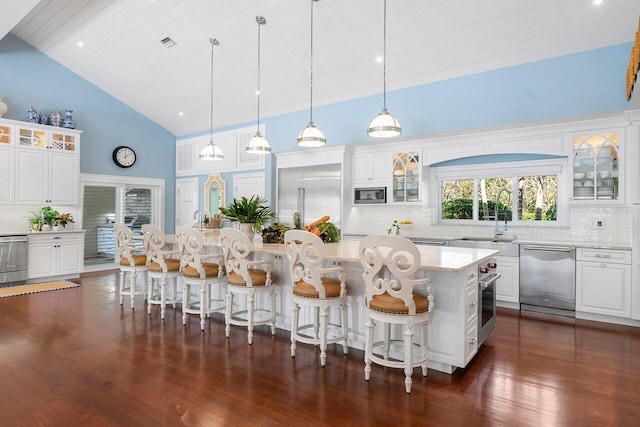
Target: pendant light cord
384,57
213,43
259,20
311,94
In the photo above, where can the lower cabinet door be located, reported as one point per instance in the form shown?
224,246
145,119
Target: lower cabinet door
70,260
508,285
42,260
603,288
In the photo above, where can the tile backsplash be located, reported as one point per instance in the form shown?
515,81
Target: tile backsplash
616,231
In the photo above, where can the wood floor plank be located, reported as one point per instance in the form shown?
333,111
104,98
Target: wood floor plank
76,357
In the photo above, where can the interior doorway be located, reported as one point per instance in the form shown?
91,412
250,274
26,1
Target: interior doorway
107,200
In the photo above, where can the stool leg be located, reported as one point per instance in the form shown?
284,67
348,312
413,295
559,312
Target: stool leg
163,296
408,356
316,319
149,293
345,327
387,340
294,327
273,311
251,302
228,313
425,349
203,295
175,291
323,335
121,286
368,348
134,277
186,291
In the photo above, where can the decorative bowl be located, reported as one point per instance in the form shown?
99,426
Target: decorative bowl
578,175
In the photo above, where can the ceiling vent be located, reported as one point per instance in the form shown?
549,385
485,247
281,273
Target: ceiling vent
167,42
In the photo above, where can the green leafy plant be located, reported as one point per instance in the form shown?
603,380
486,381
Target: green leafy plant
253,211
274,233
35,221
394,226
48,214
63,219
329,233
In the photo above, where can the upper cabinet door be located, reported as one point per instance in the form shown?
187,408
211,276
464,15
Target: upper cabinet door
371,169
406,177
598,166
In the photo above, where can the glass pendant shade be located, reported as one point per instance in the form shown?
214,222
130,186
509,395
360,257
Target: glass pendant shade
384,125
311,136
211,152
258,145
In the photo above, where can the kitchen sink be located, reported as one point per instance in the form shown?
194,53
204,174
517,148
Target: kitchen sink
506,247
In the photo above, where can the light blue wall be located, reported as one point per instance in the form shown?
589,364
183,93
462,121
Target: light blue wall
585,83
28,77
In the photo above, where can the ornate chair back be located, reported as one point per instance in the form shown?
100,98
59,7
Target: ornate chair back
306,253
236,248
156,240
389,263
190,243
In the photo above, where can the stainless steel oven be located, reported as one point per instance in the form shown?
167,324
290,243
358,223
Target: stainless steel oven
13,260
487,278
370,195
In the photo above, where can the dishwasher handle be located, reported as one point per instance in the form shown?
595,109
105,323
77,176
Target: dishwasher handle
12,239
547,248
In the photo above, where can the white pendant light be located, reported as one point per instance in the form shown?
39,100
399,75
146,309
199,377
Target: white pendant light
211,151
384,125
311,136
258,144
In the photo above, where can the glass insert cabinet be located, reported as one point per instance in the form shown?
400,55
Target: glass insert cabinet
597,166
406,177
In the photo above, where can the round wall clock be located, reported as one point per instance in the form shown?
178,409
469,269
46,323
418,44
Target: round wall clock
124,157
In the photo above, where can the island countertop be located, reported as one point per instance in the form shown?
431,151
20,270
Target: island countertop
437,258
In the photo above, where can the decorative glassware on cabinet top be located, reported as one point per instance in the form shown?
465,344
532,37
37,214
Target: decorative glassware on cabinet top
3,108
55,118
68,120
32,115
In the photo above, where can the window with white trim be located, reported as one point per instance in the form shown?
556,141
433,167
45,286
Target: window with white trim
519,193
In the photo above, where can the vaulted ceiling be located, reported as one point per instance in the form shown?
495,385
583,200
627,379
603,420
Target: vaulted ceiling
427,40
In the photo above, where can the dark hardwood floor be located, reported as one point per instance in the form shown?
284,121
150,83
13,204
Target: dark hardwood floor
75,357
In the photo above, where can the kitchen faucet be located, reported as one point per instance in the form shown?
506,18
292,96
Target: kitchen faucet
198,217
496,212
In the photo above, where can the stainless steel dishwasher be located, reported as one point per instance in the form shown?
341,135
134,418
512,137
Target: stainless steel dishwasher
548,279
13,260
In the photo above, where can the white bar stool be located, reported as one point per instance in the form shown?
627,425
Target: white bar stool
130,262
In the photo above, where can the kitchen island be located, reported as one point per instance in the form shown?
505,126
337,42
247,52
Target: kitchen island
453,329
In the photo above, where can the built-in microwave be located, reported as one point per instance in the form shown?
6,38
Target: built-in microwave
371,195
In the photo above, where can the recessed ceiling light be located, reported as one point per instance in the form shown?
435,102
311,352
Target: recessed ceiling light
379,58
257,92
597,2
80,44
181,113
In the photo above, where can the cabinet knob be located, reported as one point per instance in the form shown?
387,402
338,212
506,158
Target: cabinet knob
473,303
472,340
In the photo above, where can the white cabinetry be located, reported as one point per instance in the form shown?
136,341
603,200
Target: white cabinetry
508,285
55,255
371,169
46,177
598,166
407,177
39,164
7,173
603,282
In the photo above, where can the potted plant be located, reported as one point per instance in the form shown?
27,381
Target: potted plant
35,221
252,214
63,219
48,214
